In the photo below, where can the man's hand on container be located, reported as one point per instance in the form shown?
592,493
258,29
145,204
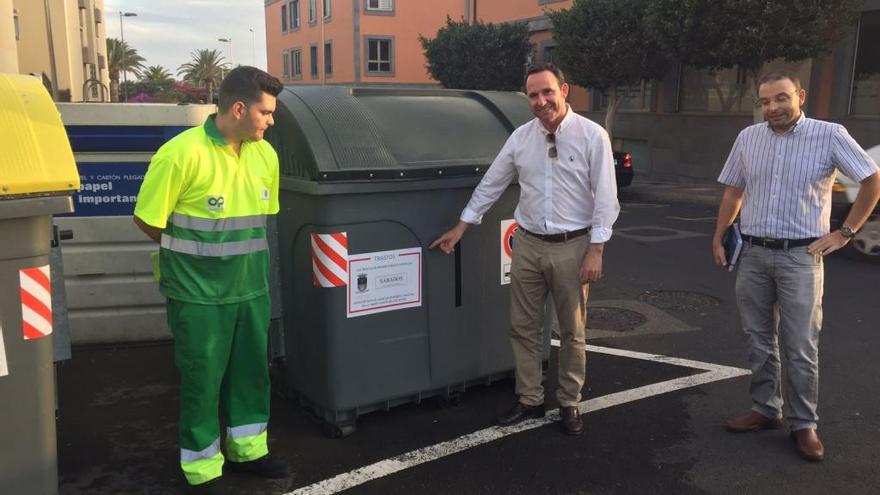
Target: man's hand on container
450,238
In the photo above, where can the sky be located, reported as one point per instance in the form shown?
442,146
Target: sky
165,32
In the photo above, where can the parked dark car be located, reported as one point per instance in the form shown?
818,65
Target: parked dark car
623,168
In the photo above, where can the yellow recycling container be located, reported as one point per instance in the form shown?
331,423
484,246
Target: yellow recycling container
37,177
37,155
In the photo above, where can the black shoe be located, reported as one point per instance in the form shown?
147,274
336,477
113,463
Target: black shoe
521,412
571,420
211,487
264,467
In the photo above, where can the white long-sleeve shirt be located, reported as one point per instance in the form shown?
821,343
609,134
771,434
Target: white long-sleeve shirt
577,189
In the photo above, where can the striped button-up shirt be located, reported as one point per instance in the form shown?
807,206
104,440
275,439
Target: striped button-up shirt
573,190
787,177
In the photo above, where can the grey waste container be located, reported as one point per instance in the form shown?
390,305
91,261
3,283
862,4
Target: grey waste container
391,169
37,176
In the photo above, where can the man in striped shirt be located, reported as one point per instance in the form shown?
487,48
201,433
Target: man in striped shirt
780,173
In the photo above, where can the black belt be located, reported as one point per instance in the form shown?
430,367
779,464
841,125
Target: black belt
777,243
561,237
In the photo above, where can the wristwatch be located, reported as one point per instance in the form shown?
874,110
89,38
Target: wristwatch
847,232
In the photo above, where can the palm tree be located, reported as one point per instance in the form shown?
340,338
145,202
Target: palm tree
205,70
156,74
121,57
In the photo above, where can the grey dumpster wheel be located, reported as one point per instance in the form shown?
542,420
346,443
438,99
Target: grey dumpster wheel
337,431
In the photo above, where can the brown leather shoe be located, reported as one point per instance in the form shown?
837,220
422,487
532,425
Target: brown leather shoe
751,421
808,444
571,420
521,412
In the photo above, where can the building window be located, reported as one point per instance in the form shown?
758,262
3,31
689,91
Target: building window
328,58
15,24
296,62
380,56
313,63
636,98
379,6
547,53
326,9
866,77
729,91
294,14
285,57
312,14
284,18
93,74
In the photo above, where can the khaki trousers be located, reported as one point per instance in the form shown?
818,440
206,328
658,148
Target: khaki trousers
539,268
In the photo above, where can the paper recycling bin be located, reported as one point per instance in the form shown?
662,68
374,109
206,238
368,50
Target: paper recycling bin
112,296
37,177
370,177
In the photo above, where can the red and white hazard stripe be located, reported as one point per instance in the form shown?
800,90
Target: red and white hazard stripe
36,302
330,259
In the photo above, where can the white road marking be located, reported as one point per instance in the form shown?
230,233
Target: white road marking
359,476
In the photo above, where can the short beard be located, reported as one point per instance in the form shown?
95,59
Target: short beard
786,126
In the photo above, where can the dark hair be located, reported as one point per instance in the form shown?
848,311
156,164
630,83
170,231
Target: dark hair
547,66
779,76
246,84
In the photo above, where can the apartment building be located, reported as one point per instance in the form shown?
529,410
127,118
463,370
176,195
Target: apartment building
682,125
64,42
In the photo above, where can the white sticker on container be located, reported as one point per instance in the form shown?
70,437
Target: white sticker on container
384,281
4,370
508,229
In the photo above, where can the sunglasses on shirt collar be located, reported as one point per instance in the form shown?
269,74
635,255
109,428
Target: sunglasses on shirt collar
551,152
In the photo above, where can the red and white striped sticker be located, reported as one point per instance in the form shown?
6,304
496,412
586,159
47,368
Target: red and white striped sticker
330,259
36,302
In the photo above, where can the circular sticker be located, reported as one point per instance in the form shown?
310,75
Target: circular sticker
507,240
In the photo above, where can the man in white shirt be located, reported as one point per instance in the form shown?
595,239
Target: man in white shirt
567,207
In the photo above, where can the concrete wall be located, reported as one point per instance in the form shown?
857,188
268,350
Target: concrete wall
693,147
73,28
8,52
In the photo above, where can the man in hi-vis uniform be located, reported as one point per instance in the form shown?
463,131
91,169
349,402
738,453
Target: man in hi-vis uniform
205,199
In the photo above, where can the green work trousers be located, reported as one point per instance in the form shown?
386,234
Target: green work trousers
221,352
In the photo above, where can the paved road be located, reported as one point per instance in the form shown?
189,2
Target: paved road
653,425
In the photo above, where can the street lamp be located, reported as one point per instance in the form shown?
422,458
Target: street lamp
253,48
228,40
122,41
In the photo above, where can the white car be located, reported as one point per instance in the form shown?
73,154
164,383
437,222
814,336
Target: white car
866,245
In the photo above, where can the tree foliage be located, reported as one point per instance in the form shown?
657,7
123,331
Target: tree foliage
478,56
605,45
157,74
745,34
205,69
165,92
121,58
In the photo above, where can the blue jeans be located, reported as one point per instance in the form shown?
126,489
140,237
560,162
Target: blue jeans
779,294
